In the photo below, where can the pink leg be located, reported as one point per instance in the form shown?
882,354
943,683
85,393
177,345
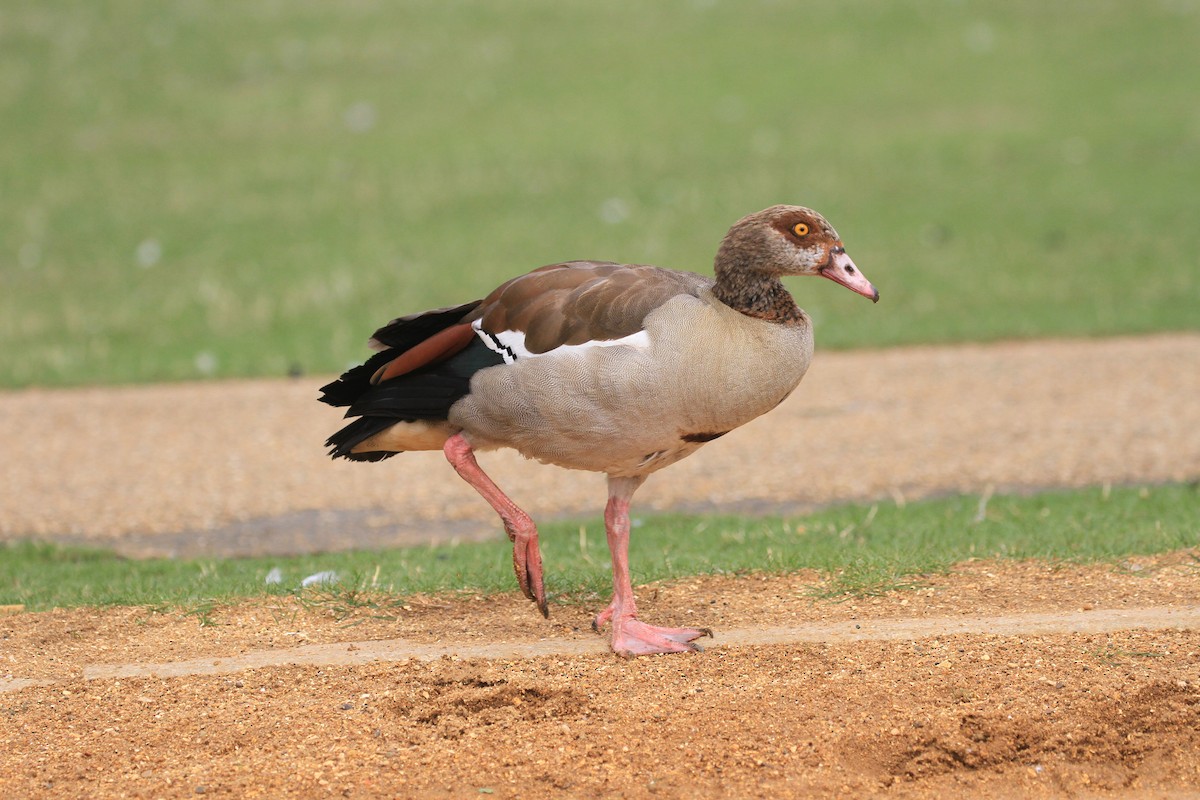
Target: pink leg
630,636
527,558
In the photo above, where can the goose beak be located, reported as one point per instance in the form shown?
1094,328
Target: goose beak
841,269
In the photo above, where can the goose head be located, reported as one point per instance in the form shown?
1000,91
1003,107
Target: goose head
789,240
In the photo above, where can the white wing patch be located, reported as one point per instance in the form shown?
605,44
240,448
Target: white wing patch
510,345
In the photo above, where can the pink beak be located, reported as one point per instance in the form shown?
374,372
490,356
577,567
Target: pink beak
841,269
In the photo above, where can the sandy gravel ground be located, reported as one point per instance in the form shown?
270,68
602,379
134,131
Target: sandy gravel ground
996,680
238,467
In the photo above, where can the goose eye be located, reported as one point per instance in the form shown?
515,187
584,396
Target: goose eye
800,229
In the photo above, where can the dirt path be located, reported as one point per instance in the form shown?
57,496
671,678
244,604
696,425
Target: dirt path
994,680
238,467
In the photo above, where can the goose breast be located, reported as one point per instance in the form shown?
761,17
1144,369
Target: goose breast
630,408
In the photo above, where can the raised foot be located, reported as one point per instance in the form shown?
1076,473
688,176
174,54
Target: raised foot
527,564
632,637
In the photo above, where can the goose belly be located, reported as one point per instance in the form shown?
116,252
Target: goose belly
701,370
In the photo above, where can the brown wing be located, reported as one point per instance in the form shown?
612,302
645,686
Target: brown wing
581,301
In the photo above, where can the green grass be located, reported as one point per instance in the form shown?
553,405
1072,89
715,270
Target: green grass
246,188
860,550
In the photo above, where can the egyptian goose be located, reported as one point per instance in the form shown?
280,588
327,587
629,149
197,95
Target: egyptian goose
615,368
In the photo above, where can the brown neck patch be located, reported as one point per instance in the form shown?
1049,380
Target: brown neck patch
760,297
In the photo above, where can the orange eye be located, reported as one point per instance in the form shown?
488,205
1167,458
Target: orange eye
800,229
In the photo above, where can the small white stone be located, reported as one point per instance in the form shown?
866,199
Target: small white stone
980,38
360,117
148,253
319,578
614,210
206,362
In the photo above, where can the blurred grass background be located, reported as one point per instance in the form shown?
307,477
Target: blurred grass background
193,188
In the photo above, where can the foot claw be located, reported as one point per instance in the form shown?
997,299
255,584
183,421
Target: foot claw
527,564
601,619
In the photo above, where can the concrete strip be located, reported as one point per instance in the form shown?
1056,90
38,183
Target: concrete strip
1098,621
13,684
350,653
345,654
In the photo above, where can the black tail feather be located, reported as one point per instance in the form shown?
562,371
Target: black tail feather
423,394
396,337
410,331
354,381
344,441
